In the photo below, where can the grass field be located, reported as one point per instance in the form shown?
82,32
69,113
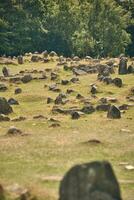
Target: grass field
40,158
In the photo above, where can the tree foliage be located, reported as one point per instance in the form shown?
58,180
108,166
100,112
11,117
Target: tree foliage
82,27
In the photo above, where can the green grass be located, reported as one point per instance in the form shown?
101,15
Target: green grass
46,151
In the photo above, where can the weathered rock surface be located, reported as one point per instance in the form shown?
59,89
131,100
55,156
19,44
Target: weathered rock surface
123,65
114,113
5,108
91,181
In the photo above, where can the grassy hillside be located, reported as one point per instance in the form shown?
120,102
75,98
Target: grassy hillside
40,158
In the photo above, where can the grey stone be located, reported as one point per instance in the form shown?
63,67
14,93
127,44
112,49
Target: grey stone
26,78
64,82
52,54
114,113
5,108
130,69
90,181
123,65
75,115
117,82
14,131
93,89
20,60
88,109
13,101
103,107
5,71
18,91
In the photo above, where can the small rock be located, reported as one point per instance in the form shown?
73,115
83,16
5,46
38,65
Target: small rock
14,131
39,117
4,118
88,109
103,107
3,87
18,91
19,119
75,115
117,82
5,108
49,100
129,167
93,89
64,82
12,101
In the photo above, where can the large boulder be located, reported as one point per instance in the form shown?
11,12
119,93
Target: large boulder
123,65
90,181
114,113
5,108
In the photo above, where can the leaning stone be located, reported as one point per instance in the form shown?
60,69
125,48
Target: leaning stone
5,108
123,65
114,113
5,72
90,181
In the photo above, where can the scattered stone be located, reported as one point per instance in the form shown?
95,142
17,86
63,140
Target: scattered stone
130,69
103,101
95,181
123,107
103,107
3,87
125,130
75,115
112,99
18,91
20,60
69,91
79,72
4,118
52,54
14,131
64,82
123,65
5,108
39,117
26,78
19,119
74,80
5,72
114,113
54,125
76,58
54,88
49,100
93,89
12,101
54,76
79,96
45,54
117,82
129,167
88,109
16,79
35,58
93,141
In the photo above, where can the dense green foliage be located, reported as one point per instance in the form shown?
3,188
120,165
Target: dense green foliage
82,27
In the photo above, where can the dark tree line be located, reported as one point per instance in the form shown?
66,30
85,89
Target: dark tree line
82,27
